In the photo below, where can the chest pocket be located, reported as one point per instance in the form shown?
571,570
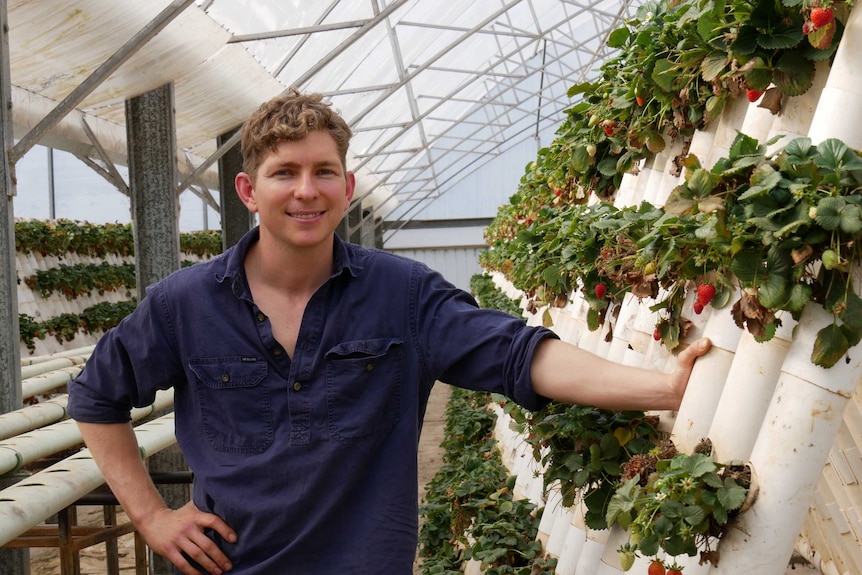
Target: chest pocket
235,403
363,388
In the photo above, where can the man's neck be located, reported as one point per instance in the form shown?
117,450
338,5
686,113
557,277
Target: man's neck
296,271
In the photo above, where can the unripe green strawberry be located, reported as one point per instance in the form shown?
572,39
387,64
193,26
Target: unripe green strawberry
627,559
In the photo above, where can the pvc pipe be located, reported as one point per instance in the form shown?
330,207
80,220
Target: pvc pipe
706,383
79,351
557,537
749,386
41,368
839,108
591,554
35,499
571,552
32,417
553,511
40,443
757,122
610,562
48,382
623,328
791,449
794,120
725,130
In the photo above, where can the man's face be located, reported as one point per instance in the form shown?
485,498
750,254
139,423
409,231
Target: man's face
301,191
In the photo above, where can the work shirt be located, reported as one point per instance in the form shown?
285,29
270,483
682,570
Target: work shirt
312,460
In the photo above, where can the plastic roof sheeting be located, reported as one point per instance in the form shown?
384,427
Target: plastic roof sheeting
433,90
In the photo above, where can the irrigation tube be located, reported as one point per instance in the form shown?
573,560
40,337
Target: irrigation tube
48,382
33,500
43,442
85,351
29,371
33,417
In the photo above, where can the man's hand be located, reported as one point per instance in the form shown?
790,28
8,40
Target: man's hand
171,533
684,364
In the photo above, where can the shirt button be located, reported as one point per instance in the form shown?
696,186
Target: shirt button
260,316
276,351
369,367
297,386
225,377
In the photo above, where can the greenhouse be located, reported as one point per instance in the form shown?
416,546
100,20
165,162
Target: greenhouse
630,178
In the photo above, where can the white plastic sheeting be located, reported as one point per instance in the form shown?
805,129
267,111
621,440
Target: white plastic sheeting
432,89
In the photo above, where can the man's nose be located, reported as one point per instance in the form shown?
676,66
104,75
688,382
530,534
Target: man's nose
305,186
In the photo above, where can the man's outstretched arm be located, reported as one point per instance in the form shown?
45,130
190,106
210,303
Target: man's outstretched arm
566,373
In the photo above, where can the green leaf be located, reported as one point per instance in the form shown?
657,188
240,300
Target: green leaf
793,74
781,37
764,179
830,212
713,65
693,515
830,345
664,73
619,37
731,495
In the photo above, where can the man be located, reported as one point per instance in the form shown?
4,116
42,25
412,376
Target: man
302,367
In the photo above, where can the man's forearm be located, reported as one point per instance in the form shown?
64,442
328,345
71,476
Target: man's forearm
565,373
115,450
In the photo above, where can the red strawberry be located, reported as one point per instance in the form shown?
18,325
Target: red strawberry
807,27
697,307
656,568
674,572
609,127
821,17
600,290
656,334
753,95
640,100
705,293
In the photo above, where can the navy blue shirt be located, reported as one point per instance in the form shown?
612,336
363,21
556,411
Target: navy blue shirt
311,460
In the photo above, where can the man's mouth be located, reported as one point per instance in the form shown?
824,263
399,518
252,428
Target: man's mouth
306,216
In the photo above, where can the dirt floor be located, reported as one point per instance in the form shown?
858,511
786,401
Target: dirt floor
46,561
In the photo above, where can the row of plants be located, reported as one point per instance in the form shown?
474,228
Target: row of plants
66,326
469,512
761,233
751,228
488,295
628,473
62,236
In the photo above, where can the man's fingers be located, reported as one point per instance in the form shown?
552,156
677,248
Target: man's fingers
695,350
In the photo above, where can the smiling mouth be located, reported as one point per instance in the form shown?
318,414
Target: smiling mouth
310,216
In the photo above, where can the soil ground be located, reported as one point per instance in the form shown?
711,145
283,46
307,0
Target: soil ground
46,561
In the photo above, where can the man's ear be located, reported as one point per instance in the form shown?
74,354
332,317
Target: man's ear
245,191
351,187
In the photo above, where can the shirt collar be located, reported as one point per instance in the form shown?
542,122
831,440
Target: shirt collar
345,258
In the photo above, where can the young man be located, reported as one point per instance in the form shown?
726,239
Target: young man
302,367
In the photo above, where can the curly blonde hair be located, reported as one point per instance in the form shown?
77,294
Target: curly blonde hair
290,117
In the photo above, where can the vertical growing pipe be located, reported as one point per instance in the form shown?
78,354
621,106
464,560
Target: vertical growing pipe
798,430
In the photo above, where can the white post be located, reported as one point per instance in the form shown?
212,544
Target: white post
839,109
788,457
706,382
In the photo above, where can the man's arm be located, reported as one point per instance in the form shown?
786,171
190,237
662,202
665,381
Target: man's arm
563,372
169,533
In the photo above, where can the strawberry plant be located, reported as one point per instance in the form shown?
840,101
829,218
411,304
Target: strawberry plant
680,505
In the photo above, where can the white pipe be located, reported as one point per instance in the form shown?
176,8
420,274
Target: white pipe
553,511
839,108
706,382
791,449
41,443
82,351
573,545
48,382
750,383
610,563
33,416
29,371
33,500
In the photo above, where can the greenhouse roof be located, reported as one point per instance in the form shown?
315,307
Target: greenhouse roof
432,90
